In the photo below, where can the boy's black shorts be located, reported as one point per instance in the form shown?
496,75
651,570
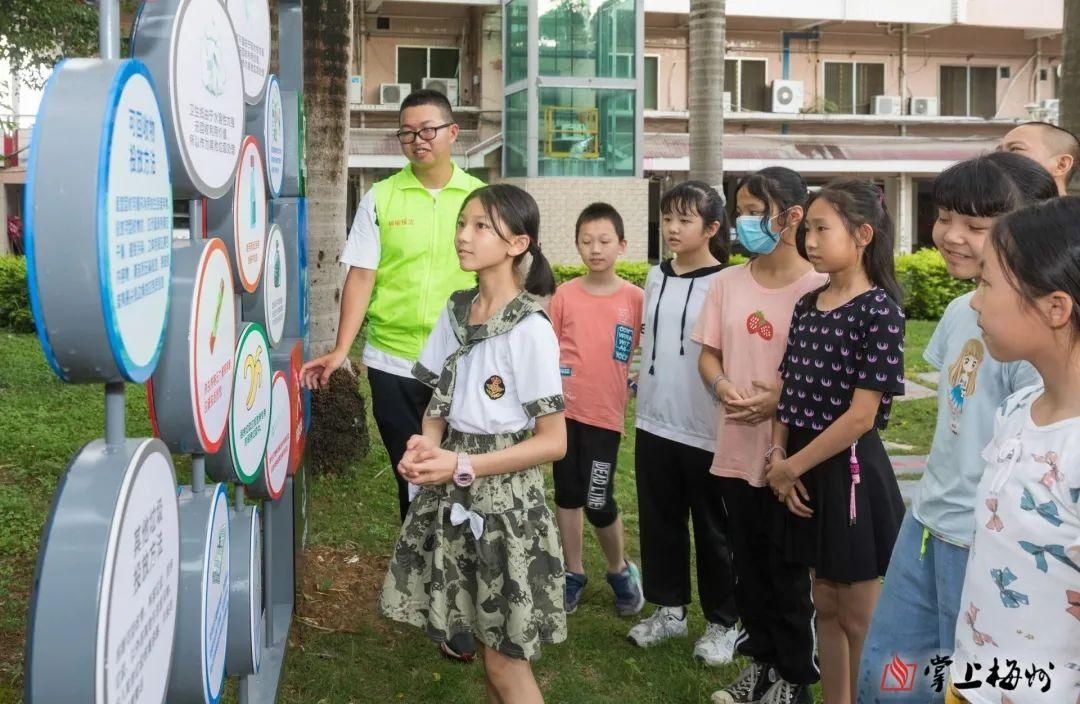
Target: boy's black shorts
585,477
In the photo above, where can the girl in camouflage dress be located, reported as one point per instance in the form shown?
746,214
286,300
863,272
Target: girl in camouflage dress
478,553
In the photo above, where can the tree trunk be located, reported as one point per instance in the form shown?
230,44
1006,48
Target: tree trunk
327,57
1069,87
707,27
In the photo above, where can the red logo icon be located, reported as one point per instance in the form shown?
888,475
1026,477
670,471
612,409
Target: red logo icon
898,676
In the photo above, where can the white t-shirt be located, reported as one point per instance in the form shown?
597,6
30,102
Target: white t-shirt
1021,598
500,379
364,251
673,402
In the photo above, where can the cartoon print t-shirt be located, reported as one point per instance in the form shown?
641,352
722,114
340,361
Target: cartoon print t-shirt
971,386
831,353
1021,597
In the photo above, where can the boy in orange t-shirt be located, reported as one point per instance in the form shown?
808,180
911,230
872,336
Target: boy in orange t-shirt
597,319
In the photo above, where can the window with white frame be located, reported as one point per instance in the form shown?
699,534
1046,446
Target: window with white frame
415,63
850,86
652,82
969,91
745,80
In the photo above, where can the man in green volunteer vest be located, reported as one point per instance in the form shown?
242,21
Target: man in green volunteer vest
402,269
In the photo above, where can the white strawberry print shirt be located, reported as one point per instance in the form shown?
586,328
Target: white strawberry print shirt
831,353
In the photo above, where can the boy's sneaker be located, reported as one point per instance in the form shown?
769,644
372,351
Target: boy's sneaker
717,645
666,622
784,692
748,688
629,599
575,587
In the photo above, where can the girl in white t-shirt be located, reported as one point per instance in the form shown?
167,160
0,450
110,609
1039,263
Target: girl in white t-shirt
1018,637
478,553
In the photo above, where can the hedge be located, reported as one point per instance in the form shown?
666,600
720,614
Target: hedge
15,312
928,288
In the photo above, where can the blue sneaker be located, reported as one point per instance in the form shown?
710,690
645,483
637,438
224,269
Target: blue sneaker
575,587
629,599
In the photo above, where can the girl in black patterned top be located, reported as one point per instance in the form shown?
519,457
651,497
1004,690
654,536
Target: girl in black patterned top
844,363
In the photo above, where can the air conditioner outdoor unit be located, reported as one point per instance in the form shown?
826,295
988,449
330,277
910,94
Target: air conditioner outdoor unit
1052,105
924,107
356,91
393,93
886,104
727,101
446,86
787,96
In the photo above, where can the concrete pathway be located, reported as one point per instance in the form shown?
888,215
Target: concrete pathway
908,465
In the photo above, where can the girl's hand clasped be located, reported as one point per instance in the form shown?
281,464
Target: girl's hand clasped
425,463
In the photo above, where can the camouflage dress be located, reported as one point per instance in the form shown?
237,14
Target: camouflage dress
486,559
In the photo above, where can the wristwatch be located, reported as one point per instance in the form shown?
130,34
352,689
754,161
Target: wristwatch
464,474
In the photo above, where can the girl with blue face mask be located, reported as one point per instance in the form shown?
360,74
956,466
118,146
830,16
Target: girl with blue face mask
743,331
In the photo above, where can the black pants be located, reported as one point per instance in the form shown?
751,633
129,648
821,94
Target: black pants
585,477
673,485
772,594
398,405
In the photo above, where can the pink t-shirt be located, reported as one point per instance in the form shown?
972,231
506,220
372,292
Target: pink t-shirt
749,324
597,338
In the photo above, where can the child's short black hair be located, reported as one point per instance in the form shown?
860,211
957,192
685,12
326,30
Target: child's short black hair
1061,141
993,184
600,211
426,96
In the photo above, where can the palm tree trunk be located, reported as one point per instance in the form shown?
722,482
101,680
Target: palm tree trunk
1069,86
327,57
707,26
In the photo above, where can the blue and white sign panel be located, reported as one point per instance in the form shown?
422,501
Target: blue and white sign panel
116,216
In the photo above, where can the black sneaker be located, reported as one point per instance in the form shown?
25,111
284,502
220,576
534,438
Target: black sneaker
461,647
784,692
748,688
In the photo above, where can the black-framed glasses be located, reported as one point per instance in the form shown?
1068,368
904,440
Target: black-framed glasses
425,133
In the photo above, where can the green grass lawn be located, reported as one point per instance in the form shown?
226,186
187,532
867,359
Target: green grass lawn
340,650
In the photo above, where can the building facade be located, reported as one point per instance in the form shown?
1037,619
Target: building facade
583,100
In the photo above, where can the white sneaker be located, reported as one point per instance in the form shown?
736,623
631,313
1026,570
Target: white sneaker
717,646
666,622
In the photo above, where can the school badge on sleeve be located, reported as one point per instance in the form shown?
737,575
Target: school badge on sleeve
494,387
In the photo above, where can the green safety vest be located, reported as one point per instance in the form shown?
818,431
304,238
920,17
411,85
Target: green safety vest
418,264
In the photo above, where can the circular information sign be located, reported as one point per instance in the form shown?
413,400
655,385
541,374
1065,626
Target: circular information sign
103,322
267,305
191,48
279,445
241,458
288,359
241,221
198,666
251,19
191,389
245,608
274,138
104,606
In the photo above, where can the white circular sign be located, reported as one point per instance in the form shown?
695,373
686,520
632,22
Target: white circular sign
275,289
251,19
137,611
136,249
213,341
249,422
279,447
249,216
208,94
215,621
274,137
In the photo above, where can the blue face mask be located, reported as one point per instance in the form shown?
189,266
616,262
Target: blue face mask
753,236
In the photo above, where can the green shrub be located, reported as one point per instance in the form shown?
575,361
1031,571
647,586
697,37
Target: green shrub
634,272
928,288
15,312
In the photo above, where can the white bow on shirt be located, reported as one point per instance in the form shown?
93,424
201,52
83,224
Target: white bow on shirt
459,514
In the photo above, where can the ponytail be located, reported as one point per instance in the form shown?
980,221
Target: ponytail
718,244
540,280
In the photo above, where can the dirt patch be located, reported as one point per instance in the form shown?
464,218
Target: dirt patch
339,590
